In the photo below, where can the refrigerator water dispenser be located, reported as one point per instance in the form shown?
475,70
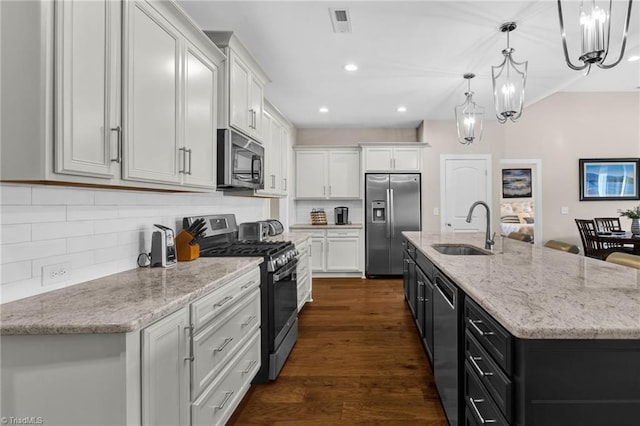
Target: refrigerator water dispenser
379,212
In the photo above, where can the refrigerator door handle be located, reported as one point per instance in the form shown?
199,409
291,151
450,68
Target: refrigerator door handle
388,213
392,218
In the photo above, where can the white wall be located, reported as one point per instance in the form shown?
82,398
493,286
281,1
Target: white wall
100,232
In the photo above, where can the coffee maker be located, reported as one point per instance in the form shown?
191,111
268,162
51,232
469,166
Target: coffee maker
342,215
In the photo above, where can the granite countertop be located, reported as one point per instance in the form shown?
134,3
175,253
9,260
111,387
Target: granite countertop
328,226
122,302
541,293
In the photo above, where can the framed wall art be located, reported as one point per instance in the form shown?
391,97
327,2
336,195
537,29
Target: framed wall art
516,183
603,179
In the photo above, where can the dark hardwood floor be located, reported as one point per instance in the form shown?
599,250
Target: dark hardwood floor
358,360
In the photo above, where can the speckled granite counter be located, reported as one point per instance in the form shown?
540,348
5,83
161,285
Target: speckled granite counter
540,293
328,226
121,302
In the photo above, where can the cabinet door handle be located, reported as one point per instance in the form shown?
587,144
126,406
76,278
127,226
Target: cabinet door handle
223,345
224,401
473,360
273,181
184,160
251,364
223,301
475,408
250,119
247,285
190,153
118,158
284,184
255,120
474,323
189,339
248,321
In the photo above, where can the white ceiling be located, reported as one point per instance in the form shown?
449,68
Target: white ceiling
409,53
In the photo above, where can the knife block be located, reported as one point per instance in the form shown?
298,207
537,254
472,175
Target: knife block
185,251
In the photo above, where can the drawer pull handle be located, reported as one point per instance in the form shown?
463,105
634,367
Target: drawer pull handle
223,301
224,345
251,364
189,331
247,285
248,321
482,373
423,299
475,408
227,396
482,333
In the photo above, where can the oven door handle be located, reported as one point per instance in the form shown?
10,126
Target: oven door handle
287,270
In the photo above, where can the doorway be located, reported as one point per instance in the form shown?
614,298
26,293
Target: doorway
464,179
535,198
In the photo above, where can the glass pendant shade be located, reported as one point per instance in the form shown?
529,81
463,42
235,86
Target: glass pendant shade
509,80
595,32
469,117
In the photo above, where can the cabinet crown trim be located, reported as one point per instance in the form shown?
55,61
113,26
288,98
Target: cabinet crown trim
228,39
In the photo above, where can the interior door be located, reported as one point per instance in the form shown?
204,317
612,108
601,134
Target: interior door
466,180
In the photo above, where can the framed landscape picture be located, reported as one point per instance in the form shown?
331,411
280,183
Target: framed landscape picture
603,179
516,183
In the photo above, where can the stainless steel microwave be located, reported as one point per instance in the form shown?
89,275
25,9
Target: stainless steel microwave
240,162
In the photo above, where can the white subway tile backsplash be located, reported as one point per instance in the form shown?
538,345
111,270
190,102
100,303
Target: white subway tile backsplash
91,212
98,231
15,195
52,230
33,214
32,250
61,196
91,242
15,271
10,234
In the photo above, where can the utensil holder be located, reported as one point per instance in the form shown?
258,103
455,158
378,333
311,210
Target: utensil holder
185,251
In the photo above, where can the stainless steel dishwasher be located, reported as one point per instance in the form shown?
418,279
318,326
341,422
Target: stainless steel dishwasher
446,331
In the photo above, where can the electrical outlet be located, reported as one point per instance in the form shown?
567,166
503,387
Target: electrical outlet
52,274
564,210
436,211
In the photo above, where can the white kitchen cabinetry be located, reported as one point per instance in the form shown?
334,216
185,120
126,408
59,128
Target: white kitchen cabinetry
243,87
335,251
67,105
327,173
397,158
87,78
276,146
170,114
303,272
165,371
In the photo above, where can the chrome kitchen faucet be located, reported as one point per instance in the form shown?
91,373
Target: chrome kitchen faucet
488,244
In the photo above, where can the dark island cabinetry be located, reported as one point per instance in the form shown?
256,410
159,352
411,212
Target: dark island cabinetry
507,380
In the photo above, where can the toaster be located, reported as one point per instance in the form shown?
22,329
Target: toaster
253,231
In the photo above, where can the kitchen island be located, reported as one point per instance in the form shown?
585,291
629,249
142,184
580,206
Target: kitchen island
541,337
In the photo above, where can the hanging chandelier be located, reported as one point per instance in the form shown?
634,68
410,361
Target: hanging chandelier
469,117
509,80
595,29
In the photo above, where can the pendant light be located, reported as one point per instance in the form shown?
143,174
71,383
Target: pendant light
595,34
469,117
509,80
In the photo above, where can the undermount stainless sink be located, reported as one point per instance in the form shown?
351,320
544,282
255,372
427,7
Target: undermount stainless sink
460,250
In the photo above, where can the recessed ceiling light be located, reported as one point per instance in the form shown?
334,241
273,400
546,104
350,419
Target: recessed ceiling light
351,67
401,109
323,110
633,58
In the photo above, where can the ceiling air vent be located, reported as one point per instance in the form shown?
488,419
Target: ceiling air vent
340,20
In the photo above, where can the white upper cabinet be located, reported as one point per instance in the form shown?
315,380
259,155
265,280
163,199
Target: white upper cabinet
121,93
87,79
276,147
387,158
243,87
152,90
328,173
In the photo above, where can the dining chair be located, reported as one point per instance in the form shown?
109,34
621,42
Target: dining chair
625,259
592,247
520,237
607,224
562,246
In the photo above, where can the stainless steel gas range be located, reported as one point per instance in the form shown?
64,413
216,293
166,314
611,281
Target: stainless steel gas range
278,287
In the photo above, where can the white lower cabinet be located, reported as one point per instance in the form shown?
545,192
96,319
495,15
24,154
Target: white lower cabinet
303,272
334,250
165,371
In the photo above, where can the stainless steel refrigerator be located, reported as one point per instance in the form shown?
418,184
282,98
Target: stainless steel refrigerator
392,205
